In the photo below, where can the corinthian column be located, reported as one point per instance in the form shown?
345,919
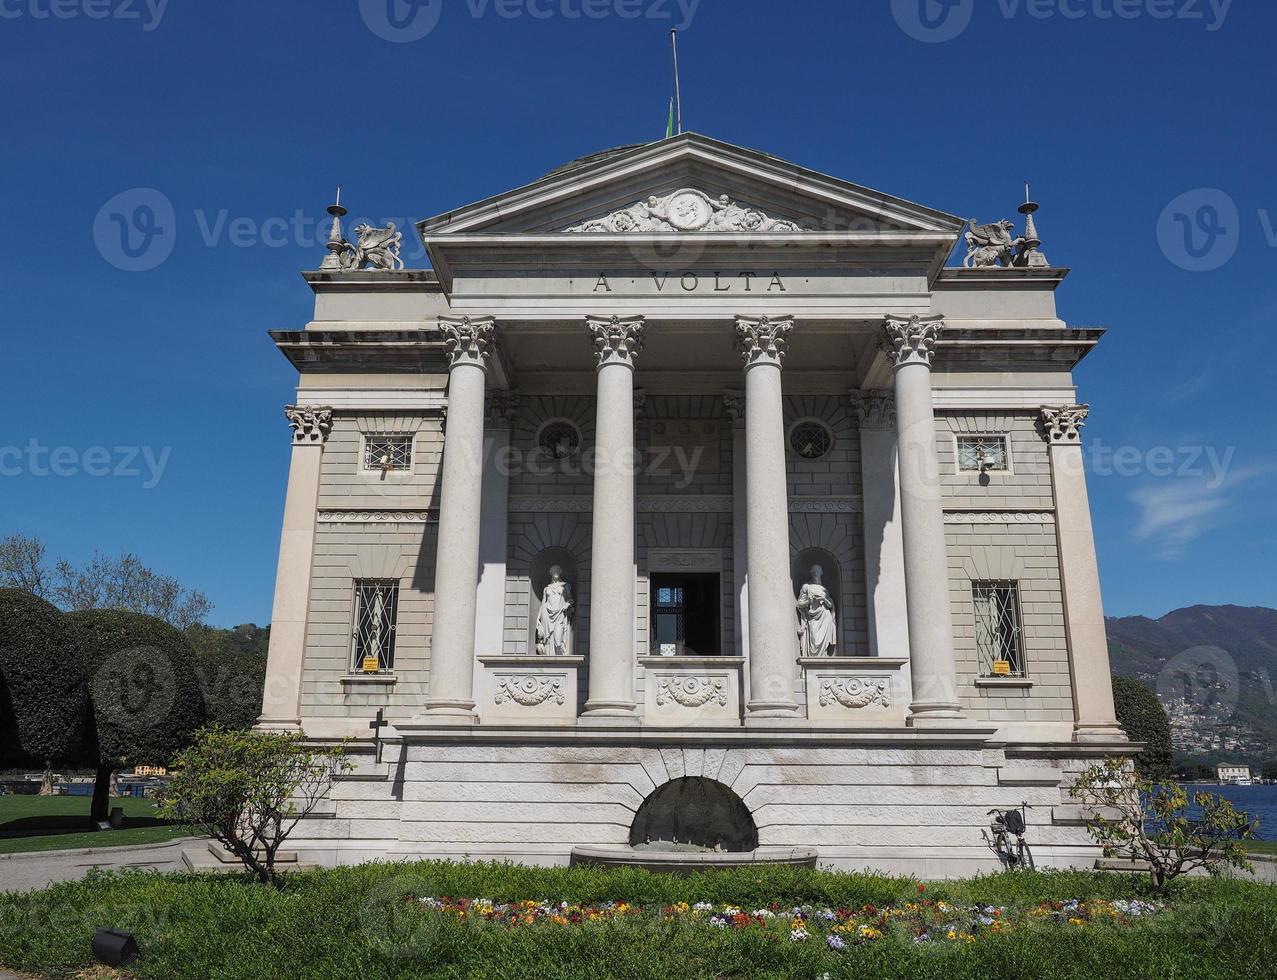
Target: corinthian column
773,642
1094,714
617,341
931,658
281,698
451,700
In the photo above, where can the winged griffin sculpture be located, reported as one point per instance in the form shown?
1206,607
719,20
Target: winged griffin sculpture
376,248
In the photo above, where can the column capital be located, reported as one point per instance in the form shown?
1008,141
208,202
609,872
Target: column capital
617,339
874,409
1062,425
468,340
500,409
734,406
763,340
310,423
912,340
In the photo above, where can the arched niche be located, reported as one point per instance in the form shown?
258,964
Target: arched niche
800,572
697,811
539,578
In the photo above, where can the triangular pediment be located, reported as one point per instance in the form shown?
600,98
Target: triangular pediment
689,184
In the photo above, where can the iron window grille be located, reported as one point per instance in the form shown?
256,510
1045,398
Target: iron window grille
669,627
983,454
811,440
376,615
999,638
559,439
385,453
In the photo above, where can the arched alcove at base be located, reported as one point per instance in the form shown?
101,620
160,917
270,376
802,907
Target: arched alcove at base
695,811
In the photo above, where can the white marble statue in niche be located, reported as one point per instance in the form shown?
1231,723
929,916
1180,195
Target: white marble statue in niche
817,623
554,621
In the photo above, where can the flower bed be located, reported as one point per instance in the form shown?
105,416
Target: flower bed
921,921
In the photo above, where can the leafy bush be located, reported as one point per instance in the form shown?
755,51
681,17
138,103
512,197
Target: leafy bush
248,790
1143,718
42,683
1151,823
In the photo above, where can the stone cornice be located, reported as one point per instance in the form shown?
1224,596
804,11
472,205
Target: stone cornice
377,517
310,423
763,340
912,340
468,340
616,339
1062,425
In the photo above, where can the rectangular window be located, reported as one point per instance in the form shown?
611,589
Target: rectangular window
999,640
373,637
982,454
388,453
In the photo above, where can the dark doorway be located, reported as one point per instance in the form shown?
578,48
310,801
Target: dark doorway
686,609
696,811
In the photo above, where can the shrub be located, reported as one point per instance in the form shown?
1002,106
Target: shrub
248,790
143,689
42,683
1151,823
1143,718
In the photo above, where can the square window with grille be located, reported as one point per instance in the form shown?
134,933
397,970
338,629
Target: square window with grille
373,635
388,453
982,454
999,638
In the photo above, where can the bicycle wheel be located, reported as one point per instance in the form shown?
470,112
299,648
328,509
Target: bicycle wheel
1024,855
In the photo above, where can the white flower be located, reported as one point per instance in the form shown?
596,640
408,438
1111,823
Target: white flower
798,935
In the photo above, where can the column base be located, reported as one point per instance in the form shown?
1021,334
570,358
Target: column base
773,714
935,716
1099,732
604,714
278,725
449,713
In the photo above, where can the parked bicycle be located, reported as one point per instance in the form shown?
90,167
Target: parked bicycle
1007,824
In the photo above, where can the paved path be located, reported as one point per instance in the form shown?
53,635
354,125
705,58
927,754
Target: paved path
23,872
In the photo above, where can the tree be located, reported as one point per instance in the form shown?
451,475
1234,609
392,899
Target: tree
144,696
125,583
22,565
232,665
249,790
1143,718
42,683
1152,825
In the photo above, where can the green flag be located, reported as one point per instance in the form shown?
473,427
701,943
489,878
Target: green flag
669,126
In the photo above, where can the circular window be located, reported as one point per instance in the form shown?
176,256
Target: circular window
810,439
559,439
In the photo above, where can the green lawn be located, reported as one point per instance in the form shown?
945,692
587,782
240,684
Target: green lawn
370,922
1262,846
51,823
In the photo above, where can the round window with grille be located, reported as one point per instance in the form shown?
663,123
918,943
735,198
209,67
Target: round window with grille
810,439
559,439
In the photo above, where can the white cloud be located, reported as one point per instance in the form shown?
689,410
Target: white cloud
1172,515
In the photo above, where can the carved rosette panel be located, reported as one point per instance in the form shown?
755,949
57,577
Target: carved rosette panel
617,339
913,340
692,692
686,210
1063,425
874,409
763,340
468,340
856,692
529,691
309,423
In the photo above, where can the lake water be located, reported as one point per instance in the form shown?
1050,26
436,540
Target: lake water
1259,802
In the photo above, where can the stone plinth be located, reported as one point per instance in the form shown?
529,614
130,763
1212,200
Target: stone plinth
691,692
855,692
529,690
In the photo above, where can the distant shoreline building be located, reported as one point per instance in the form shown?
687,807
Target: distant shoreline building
1233,775
691,495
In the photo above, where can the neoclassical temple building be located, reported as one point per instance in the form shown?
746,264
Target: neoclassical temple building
691,494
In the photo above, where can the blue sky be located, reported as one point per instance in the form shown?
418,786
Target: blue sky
1143,124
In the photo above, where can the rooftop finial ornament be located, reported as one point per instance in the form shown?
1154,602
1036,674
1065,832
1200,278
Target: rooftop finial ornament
376,248
993,246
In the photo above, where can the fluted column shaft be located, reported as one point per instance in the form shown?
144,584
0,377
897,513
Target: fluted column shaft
773,643
617,342
1095,718
285,659
451,698
933,664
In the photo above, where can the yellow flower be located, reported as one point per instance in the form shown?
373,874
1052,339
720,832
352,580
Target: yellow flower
1076,922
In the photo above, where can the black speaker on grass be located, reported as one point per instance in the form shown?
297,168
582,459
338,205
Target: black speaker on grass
115,947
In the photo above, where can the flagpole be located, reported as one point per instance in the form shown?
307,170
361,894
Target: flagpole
678,91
